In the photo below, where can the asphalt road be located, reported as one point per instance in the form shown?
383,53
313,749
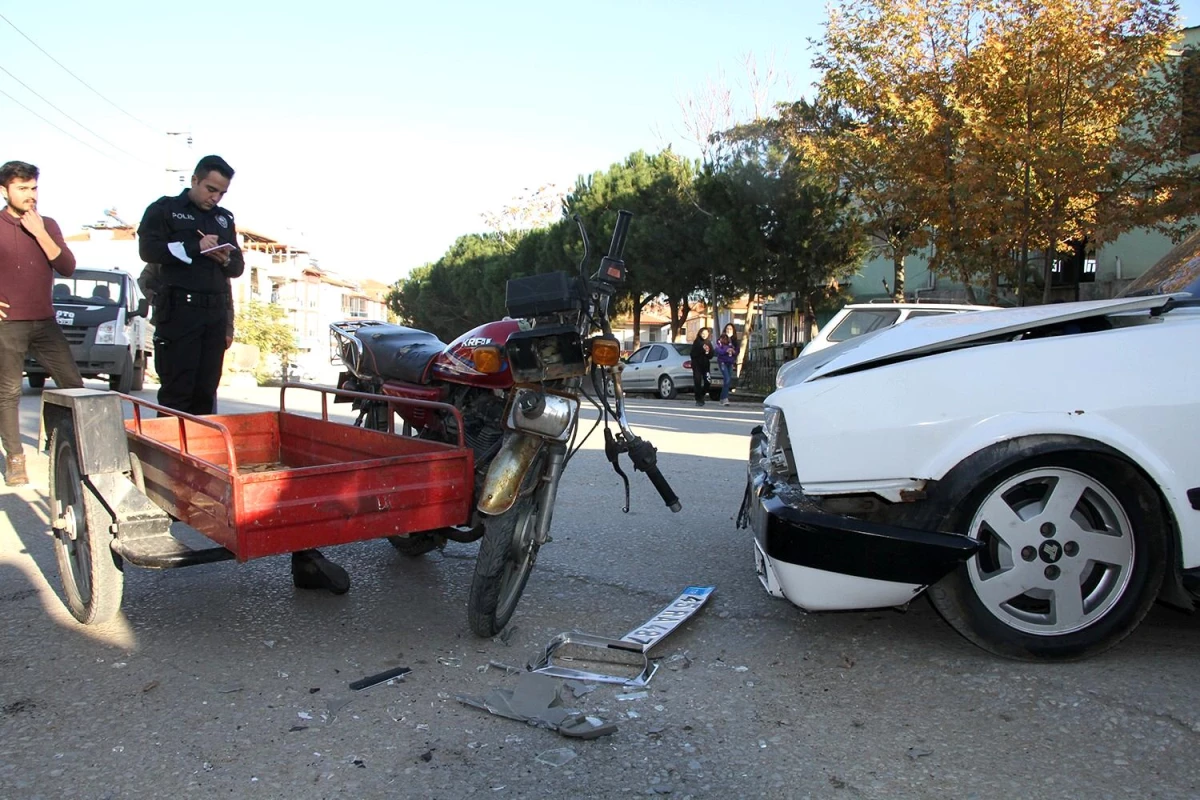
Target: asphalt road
226,680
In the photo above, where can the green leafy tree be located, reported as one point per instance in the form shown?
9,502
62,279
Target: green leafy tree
665,251
265,326
782,226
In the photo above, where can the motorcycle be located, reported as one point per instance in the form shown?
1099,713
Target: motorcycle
518,383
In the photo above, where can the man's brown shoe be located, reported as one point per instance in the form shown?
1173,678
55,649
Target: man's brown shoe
14,474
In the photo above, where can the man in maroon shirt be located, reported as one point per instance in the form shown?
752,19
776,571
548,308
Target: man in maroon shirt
31,250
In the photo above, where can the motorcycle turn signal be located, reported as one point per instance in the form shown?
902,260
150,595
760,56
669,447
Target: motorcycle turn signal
488,360
606,351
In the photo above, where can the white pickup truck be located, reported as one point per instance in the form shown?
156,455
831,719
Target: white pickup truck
104,316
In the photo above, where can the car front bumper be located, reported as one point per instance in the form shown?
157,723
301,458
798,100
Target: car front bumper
825,562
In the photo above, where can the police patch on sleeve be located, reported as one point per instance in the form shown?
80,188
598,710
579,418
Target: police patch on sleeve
224,223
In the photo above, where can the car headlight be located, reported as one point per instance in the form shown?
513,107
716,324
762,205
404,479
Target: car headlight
772,416
106,333
776,449
551,416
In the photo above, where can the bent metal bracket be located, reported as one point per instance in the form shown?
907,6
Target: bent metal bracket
636,644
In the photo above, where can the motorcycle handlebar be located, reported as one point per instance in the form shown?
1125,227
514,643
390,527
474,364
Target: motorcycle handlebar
618,241
645,459
664,488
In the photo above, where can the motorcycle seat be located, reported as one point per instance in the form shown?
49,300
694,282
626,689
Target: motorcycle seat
394,351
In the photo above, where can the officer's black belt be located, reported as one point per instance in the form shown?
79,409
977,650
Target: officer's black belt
184,297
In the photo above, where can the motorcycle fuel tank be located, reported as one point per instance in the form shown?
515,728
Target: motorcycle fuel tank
457,362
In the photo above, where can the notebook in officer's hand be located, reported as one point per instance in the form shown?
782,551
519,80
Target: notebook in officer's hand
223,246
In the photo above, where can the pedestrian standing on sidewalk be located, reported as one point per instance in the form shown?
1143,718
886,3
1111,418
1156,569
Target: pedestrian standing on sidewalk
727,353
32,250
194,242
702,352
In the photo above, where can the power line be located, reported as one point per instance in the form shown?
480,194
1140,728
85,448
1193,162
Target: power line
68,116
60,130
76,77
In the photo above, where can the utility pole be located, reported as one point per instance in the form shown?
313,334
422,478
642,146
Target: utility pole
182,172
713,276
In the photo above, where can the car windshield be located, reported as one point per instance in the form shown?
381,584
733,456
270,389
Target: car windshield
1177,271
864,320
682,348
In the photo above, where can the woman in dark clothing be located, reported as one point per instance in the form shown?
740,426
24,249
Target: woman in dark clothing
727,353
701,358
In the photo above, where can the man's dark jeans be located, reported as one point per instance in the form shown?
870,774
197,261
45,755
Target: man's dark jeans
45,340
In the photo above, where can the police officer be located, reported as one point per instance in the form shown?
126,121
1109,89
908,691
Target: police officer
195,242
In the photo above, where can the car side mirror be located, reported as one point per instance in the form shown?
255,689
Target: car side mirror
143,308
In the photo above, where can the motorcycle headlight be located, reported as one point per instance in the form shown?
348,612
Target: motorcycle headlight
551,416
106,333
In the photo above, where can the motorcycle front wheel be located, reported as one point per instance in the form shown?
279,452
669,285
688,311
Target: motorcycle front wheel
506,557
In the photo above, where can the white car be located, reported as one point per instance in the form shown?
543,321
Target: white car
665,368
1037,469
857,319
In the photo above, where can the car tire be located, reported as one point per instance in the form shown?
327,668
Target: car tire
666,388
37,381
1074,554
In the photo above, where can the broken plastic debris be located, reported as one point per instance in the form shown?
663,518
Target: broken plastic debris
634,645
380,677
556,757
335,704
538,701
449,662
579,688
510,669
304,715
633,696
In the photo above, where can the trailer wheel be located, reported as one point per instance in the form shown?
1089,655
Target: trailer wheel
417,544
92,579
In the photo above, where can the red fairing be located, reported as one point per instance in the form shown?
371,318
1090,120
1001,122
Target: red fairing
456,364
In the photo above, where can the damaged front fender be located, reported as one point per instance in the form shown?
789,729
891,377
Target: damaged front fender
507,472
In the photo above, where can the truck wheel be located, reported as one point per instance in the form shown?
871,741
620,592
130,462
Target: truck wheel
1074,555
122,383
139,374
37,381
92,579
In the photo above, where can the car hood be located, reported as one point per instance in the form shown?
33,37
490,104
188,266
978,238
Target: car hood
930,335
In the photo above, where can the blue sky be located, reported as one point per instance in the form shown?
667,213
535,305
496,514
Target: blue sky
371,133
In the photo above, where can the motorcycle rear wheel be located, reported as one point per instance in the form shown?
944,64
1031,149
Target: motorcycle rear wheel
507,554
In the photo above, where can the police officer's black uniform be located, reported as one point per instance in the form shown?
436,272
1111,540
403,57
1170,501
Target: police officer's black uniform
191,312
